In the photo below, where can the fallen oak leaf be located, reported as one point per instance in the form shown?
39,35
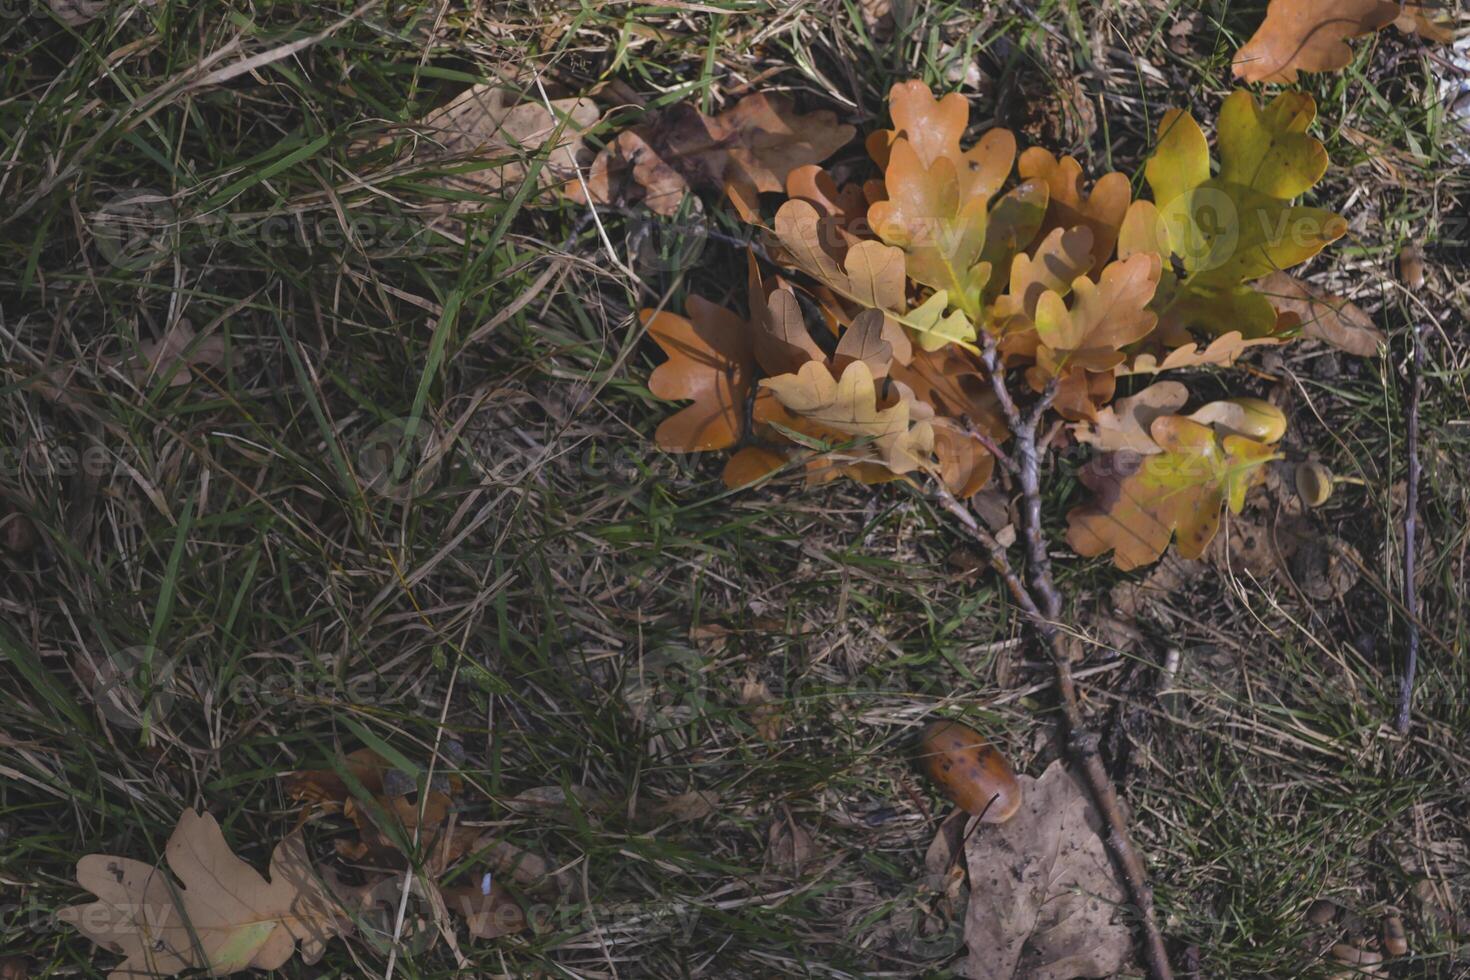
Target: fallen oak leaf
481,123
711,360
221,916
1311,36
1140,502
1044,901
1324,317
749,149
848,405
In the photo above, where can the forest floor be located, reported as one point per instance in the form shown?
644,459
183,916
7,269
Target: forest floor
591,618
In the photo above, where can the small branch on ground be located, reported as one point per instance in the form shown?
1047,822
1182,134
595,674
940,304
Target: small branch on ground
1042,604
1411,531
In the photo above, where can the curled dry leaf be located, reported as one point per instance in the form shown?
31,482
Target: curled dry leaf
1045,903
489,122
788,845
220,915
1141,501
1324,317
749,149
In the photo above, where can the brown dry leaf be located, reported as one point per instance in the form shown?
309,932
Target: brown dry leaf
748,149
779,335
558,803
693,805
221,916
868,273
394,795
765,714
1309,35
482,123
1101,211
1045,903
14,968
711,359
177,355
1124,424
1222,351
788,845
844,210
1428,21
1324,317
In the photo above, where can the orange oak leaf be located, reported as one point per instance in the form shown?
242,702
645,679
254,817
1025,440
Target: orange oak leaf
843,209
1102,319
1102,211
1141,502
711,360
1308,35
941,232
934,127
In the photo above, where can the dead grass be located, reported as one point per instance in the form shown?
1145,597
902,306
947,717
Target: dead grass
579,610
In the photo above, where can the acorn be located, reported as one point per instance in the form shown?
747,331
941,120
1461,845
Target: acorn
1364,959
1394,940
970,771
1321,912
1411,267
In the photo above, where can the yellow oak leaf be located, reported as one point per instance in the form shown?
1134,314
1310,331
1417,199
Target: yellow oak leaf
1142,501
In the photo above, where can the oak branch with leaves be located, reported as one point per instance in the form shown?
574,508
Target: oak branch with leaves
968,296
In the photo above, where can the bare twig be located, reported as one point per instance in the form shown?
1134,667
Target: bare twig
1411,529
1042,604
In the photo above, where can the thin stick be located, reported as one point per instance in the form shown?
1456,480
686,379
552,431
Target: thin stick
1411,529
1042,604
